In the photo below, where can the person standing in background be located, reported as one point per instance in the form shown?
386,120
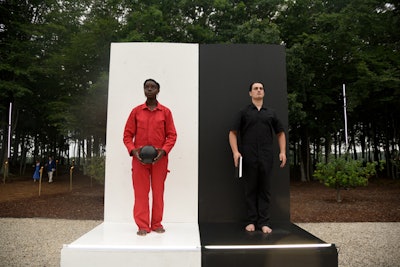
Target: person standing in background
51,168
36,173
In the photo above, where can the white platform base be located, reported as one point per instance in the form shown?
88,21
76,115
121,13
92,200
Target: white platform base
117,244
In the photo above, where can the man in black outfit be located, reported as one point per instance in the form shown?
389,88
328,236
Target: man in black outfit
251,137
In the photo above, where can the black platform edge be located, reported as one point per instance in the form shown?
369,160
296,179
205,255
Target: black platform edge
228,244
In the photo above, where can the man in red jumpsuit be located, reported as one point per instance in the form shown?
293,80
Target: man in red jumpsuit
149,124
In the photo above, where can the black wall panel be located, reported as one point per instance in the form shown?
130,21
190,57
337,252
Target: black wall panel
226,71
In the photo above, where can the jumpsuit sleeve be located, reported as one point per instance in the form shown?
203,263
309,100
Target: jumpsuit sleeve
277,124
170,132
130,131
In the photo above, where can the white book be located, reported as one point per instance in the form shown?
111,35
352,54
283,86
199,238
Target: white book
239,168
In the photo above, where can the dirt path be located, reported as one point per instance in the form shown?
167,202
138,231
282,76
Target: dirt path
309,202
19,198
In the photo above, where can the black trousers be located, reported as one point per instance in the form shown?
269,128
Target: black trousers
257,187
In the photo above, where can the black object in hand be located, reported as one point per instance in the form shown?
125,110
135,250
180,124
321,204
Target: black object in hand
148,153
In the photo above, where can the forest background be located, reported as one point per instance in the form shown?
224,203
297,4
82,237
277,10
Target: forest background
54,61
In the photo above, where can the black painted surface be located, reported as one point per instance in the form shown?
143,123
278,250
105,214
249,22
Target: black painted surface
232,234
226,72
325,257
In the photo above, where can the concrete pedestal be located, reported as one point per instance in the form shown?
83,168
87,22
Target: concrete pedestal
117,244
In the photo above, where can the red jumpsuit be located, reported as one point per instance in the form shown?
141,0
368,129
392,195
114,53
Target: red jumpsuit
149,127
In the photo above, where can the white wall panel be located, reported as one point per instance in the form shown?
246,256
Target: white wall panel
175,67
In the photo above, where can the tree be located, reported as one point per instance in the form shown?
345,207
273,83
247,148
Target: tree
54,67
20,63
331,43
343,173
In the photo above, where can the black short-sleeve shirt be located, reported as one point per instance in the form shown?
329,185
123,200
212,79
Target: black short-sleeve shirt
256,129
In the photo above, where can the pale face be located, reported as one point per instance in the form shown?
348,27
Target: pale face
257,91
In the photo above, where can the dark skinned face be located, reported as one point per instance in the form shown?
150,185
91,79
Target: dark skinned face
150,90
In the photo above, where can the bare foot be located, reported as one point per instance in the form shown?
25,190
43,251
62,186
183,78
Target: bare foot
142,232
250,228
266,230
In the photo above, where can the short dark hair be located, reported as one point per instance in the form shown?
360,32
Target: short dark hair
251,85
152,80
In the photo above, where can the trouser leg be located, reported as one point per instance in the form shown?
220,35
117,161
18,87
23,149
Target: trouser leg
258,193
264,195
141,188
158,176
250,172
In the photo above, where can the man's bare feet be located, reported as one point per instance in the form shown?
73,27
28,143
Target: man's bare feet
250,228
266,230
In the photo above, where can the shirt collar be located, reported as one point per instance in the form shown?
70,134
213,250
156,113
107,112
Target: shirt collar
254,106
159,106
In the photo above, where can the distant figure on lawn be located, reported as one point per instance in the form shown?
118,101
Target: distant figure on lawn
51,168
36,173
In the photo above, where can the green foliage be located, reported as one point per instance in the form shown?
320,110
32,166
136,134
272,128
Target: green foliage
54,60
95,168
344,172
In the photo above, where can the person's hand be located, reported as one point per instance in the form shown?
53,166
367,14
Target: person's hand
282,159
236,157
161,153
135,153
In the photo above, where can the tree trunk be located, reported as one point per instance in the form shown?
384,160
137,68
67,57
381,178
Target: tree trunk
96,146
328,145
3,156
353,139
338,195
22,164
305,157
362,141
335,145
375,144
302,172
89,147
